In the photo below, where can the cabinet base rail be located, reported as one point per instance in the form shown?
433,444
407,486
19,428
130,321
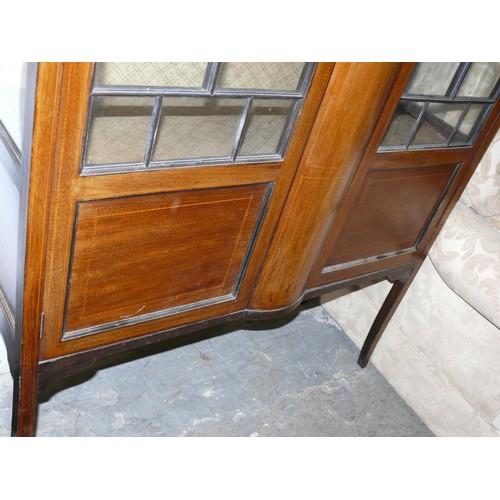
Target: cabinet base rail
52,371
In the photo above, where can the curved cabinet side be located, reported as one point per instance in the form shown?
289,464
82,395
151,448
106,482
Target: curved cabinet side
335,148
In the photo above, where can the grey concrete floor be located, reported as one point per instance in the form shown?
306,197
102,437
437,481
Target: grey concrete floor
290,377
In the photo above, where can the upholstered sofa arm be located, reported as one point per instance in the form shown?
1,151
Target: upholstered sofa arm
467,257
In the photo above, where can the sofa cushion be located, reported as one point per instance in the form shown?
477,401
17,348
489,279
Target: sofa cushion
494,222
467,256
483,190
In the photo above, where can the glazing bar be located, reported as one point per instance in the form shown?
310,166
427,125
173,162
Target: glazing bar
119,91
455,128
305,78
153,129
496,91
457,99
211,76
458,79
417,123
479,123
288,130
241,129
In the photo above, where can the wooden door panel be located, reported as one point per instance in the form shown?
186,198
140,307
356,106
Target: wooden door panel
139,257
148,248
393,209
403,190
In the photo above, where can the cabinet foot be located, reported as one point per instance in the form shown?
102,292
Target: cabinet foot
24,409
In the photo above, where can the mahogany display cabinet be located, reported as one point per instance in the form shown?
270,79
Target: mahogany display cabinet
154,200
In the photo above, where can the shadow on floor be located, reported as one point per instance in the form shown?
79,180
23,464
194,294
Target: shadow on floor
292,376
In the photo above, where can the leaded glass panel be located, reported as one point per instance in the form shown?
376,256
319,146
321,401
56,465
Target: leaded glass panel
145,115
443,105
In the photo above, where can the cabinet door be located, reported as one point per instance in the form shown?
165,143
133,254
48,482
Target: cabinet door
430,131
168,181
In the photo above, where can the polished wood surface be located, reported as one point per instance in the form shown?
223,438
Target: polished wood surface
137,255
119,261
393,209
29,324
382,256
73,191
381,321
338,140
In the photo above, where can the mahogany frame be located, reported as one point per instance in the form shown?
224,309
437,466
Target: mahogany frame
332,149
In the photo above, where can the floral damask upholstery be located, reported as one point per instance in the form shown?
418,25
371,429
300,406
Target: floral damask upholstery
467,251
482,194
467,256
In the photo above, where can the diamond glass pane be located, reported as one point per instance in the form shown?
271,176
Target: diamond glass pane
467,127
266,122
193,127
158,74
431,78
261,75
480,80
437,123
402,124
118,130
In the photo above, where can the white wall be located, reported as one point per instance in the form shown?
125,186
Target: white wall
9,223
12,94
